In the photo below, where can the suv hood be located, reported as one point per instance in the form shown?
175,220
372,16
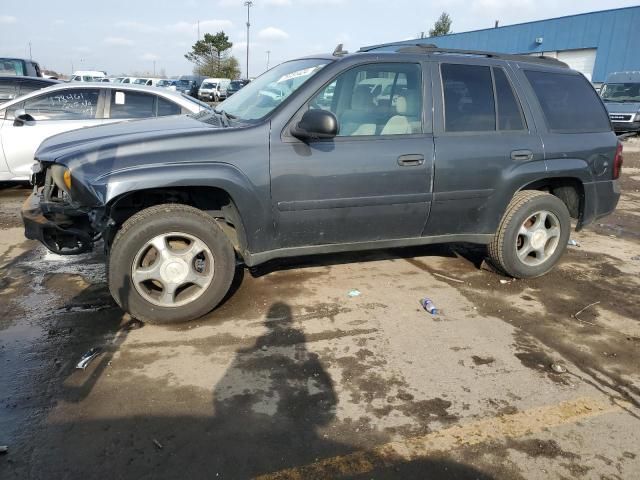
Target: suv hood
622,107
103,137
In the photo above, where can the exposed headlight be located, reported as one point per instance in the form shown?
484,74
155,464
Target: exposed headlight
61,177
36,168
637,119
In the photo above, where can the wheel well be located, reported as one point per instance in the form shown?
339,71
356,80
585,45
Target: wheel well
214,201
569,190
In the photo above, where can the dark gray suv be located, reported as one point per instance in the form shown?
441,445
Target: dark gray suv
395,145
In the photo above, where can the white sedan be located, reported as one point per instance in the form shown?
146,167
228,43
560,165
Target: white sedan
28,120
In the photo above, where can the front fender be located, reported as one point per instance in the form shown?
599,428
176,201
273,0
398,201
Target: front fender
251,200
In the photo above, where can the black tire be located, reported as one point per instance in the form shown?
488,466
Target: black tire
503,249
159,220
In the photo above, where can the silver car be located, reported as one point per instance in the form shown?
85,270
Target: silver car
28,120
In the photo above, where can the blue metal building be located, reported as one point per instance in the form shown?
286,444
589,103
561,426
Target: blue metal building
596,43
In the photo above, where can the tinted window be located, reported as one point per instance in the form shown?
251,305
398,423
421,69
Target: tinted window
165,107
11,67
73,104
509,111
569,102
377,99
131,105
468,98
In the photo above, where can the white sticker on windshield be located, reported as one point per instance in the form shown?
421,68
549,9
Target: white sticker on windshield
119,98
299,73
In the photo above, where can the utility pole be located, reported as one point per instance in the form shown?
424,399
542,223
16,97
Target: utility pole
154,68
268,58
198,30
248,4
30,57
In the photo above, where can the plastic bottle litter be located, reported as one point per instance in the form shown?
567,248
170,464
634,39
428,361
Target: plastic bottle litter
355,293
87,358
428,306
573,243
556,367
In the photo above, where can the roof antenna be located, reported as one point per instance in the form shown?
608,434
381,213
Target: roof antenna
339,52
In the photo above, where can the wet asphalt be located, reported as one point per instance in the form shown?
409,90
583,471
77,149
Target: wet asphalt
293,378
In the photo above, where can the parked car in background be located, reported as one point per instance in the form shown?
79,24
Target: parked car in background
621,95
88,76
19,67
26,121
214,89
149,82
195,82
188,87
13,86
235,86
166,83
491,149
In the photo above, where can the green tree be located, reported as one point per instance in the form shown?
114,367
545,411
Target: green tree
442,26
211,56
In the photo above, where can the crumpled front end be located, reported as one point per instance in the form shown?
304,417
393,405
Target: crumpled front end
51,216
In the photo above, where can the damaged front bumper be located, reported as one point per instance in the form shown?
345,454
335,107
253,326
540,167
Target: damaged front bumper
62,228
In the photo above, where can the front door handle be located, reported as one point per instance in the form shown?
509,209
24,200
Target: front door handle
521,155
410,160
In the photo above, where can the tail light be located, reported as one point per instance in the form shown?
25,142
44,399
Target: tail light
617,162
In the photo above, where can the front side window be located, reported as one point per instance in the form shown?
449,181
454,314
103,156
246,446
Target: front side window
263,95
569,102
468,98
73,104
131,105
375,99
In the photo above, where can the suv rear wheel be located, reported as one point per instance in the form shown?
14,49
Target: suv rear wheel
170,263
532,236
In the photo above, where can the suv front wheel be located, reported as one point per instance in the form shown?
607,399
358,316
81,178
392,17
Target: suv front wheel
532,235
170,263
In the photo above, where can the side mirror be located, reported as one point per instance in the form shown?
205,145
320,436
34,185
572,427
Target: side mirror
20,117
315,125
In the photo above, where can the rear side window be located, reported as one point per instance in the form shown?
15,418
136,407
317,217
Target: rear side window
509,111
165,107
569,103
132,105
468,98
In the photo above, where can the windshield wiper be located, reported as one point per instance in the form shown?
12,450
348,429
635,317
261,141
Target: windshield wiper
227,116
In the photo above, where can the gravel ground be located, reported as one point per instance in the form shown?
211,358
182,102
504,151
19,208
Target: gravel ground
292,378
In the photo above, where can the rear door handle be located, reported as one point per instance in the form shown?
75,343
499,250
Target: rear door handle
521,155
410,160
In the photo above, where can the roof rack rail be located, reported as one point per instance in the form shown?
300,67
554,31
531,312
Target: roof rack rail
431,48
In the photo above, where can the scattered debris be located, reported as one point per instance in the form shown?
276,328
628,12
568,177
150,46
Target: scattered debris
134,325
504,282
429,306
447,278
87,358
557,368
573,243
158,444
575,315
4,449
264,348
354,293
636,258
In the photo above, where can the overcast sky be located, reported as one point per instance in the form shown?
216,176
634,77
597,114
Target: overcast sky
126,36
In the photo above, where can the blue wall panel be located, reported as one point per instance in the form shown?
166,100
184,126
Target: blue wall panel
614,33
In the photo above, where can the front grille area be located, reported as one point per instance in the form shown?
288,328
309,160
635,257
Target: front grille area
617,117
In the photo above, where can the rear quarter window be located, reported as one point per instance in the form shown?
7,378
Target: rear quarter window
569,103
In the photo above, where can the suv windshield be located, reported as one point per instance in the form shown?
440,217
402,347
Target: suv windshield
621,92
207,85
263,95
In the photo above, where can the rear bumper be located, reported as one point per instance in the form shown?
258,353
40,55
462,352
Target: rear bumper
600,199
62,234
